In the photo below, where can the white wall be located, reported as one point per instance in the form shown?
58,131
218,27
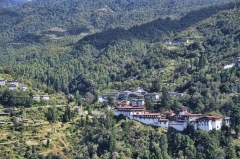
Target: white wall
229,66
12,88
178,125
2,83
134,102
205,125
147,121
217,125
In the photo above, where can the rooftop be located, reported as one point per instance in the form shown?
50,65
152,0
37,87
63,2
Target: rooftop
129,107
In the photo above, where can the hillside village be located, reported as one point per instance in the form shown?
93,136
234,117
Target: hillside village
14,85
136,97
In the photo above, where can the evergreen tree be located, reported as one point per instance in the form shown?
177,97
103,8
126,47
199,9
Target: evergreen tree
51,115
159,154
235,119
166,98
202,61
48,142
230,152
112,139
164,146
149,105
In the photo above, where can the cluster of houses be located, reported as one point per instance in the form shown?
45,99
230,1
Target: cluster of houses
137,96
232,64
13,85
2,115
177,42
170,119
18,120
39,97
27,121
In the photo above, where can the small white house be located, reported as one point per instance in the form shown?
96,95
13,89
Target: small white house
23,88
100,100
177,42
45,97
2,82
147,96
175,94
229,65
36,97
227,121
12,82
12,86
139,102
155,96
152,96
134,102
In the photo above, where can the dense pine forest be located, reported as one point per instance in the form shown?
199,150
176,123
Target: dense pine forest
77,50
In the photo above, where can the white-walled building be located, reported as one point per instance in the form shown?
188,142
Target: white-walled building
169,118
229,65
175,94
2,82
45,97
139,102
155,96
23,88
152,96
12,82
36,97
12,86
227,121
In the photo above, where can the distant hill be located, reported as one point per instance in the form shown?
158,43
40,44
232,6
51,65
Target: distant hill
12,3
67,55
91,16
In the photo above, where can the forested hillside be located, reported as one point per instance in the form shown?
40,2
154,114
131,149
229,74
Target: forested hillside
120,59
99,59
11,3
82,16
87,48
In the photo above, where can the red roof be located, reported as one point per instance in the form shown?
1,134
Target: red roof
168,112
146,112
210,118
214,117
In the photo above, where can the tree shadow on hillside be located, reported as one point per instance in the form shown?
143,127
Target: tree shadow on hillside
152,31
